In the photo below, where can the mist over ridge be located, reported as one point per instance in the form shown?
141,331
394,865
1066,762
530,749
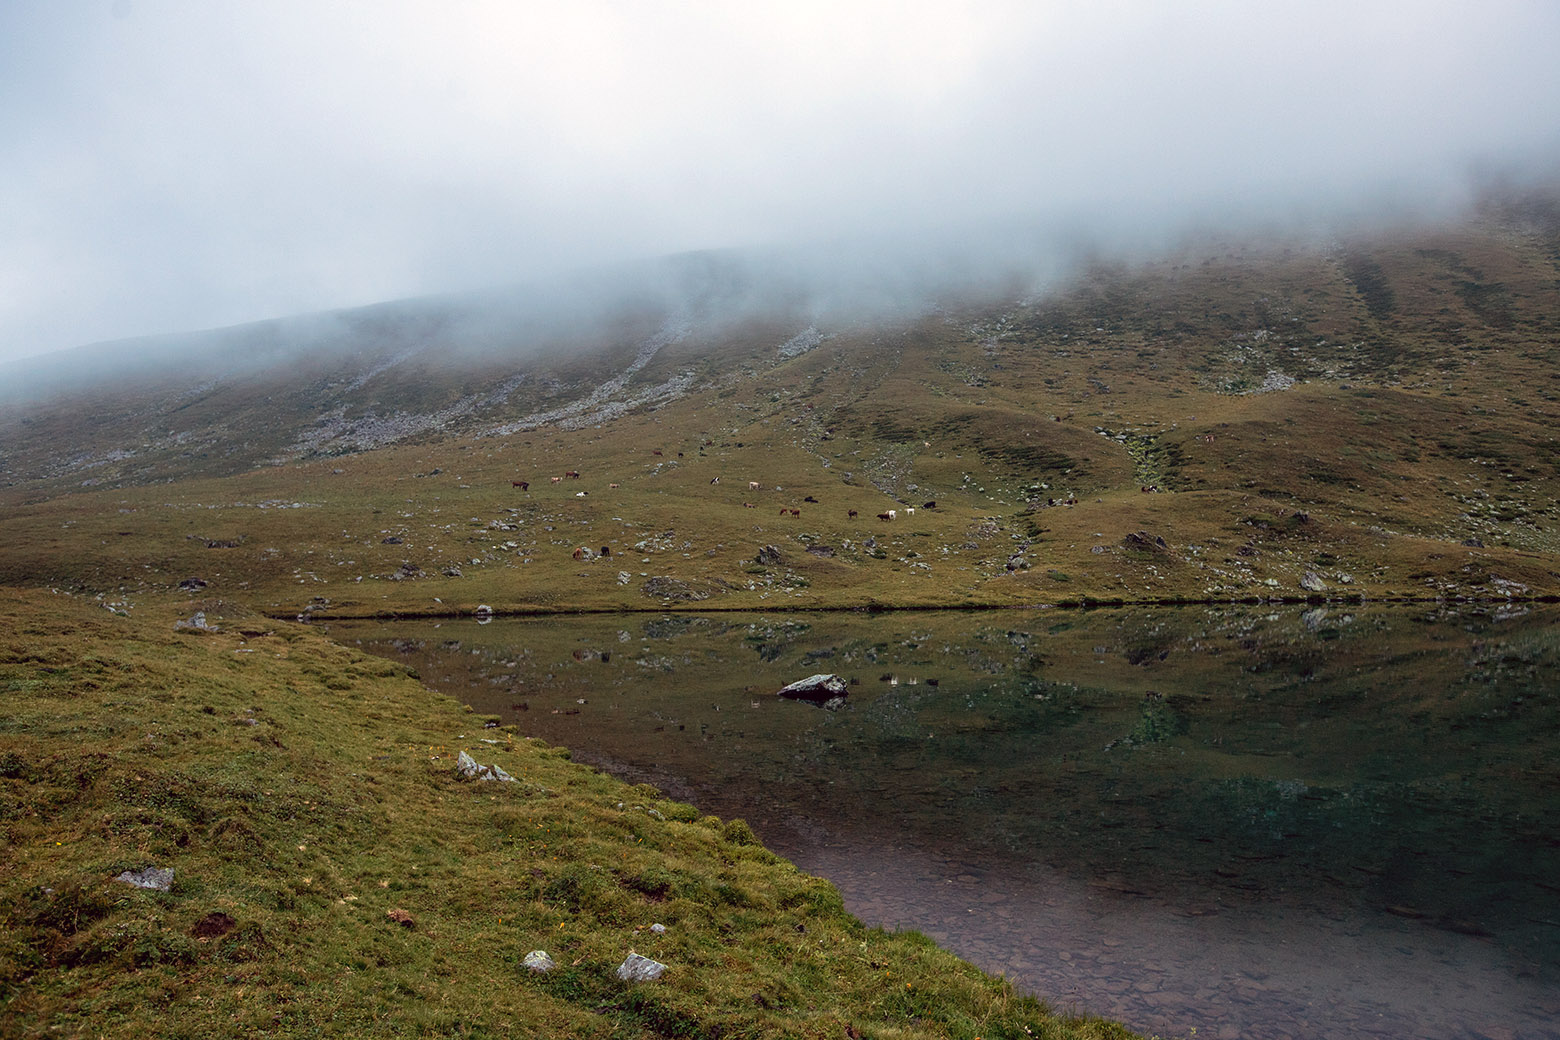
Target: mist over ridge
885,278
176,168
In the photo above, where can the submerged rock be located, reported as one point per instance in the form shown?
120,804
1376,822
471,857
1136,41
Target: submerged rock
825,690
639,969
468,769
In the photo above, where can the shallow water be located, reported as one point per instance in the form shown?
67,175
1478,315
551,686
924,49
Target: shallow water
1283,822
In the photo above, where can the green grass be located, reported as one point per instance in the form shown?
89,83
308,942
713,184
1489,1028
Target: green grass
305,797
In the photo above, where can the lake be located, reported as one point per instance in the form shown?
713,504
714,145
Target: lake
1279,821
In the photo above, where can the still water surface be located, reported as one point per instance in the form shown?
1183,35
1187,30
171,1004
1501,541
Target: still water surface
1221,822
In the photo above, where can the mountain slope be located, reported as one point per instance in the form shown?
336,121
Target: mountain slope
1374,416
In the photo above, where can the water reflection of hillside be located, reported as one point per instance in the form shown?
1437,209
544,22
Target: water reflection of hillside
1388,761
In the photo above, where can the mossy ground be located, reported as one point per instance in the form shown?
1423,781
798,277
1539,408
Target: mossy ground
305,797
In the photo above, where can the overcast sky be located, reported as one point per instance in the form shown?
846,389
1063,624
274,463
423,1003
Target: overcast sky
175,165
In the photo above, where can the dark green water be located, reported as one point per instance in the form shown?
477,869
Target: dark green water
1254,822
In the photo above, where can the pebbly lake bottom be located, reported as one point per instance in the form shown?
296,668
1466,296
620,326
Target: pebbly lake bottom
1209,821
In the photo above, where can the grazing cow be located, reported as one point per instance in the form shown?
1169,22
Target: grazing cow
523,485
556,480
783,510
796,512
752,485
852,514
579,554
748,505
893,514
929,505
606,551
909,510
614,485
714,480
572,474
885,516
655,451
809,498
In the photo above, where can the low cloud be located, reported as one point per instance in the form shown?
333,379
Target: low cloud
174,166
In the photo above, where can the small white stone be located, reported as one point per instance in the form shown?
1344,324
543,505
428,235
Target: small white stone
658,928
538,961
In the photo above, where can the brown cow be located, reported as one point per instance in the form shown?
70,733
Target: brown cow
523,485
852,514
556,480
572,474
884,516
579,554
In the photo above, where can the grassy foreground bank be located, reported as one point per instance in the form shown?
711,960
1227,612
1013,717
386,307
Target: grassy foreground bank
332,875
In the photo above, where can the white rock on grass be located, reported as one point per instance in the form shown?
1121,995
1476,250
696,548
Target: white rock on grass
158,879
538,961
639,969
468,769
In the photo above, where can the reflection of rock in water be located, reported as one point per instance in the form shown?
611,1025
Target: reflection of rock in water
1157,722
673,626
771,642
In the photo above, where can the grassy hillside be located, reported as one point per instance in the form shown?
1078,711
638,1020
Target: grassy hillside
1375,419
332,876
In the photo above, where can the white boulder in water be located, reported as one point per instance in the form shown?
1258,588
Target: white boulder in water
826,690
